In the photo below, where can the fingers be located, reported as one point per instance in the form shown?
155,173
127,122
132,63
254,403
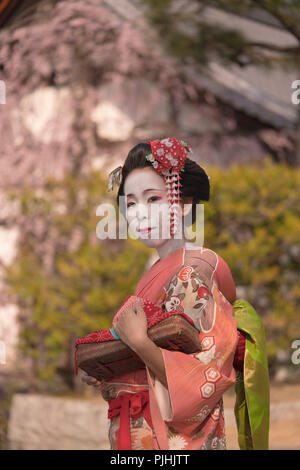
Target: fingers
139,306
89,380
127,311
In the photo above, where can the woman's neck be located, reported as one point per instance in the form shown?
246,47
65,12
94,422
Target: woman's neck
169,246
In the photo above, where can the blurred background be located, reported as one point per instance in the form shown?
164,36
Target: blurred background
82,82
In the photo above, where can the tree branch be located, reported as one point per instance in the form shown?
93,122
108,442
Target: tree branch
290,22
273,47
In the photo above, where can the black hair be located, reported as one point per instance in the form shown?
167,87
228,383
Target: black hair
194,180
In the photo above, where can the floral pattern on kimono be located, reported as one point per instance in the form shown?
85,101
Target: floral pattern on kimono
188,293
188,414
197,382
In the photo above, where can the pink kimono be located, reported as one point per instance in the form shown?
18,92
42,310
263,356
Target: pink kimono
188,414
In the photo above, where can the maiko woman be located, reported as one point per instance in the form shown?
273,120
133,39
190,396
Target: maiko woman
176,402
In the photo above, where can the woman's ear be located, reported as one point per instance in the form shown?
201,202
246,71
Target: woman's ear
186,204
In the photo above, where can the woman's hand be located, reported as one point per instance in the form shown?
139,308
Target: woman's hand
87,379
131,326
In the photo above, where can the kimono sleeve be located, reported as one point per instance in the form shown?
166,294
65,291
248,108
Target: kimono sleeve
225,280
196,382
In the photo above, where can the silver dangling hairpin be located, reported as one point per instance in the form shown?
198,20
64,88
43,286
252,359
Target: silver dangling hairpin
114,177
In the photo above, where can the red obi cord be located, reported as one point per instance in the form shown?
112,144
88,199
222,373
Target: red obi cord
129,404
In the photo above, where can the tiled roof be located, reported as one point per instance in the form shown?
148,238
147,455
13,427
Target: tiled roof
260,92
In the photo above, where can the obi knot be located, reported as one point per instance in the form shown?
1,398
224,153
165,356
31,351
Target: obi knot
129,404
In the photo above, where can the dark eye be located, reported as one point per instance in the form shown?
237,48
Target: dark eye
130,203
154,198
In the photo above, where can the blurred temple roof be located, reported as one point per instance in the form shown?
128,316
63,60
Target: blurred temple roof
262,93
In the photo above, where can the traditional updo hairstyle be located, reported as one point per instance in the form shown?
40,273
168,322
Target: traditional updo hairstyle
195,182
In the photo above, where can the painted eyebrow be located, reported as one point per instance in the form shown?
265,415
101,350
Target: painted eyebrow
146,190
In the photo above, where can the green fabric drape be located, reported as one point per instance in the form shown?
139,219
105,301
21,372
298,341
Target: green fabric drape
252,406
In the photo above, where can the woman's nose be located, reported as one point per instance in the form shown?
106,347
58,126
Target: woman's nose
141,211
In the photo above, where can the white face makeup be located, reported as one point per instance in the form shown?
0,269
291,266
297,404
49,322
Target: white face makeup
147,203
147,207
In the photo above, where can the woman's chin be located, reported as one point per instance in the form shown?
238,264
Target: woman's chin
152,242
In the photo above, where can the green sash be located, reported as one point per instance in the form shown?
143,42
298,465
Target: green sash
252,406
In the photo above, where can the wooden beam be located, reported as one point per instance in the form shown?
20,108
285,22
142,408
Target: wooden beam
6,8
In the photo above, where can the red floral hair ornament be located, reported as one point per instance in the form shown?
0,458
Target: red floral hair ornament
167,158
